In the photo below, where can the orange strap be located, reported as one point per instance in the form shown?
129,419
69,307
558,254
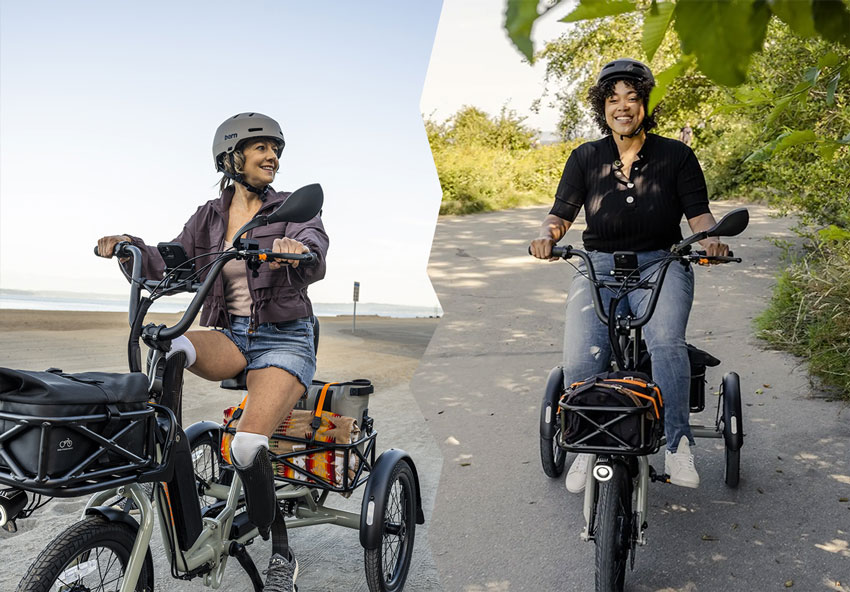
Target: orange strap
317,415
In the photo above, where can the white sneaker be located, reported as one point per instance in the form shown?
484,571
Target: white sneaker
680,465
577,475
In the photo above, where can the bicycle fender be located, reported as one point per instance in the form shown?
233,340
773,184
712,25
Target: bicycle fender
551,396
732,408
199,427
379,478
113,515
122,517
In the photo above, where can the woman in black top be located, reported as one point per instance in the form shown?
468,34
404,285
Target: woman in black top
634,187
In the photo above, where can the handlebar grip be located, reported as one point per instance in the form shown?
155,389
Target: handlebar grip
702,253
117,251
730,258
307,258
560,252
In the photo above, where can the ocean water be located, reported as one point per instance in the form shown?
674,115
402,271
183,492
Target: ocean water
11,299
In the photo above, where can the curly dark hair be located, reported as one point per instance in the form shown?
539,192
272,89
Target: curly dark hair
598,93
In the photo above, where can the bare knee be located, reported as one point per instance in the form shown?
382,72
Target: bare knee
217,357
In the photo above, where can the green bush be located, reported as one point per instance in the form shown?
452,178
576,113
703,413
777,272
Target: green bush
808,314
492,163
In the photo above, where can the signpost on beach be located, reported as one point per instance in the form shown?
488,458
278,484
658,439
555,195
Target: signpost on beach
356,298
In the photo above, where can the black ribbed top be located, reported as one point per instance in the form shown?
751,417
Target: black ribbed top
665,182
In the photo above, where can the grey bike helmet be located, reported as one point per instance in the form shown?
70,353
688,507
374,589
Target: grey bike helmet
236,130
625,68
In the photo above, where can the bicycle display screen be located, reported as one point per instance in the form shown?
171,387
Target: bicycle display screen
625,263
175,259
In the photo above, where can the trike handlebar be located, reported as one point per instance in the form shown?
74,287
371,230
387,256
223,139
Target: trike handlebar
172,285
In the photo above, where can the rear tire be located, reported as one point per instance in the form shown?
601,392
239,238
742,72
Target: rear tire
208,463
614,530
89,555
552,456
732,473
733,428
388,564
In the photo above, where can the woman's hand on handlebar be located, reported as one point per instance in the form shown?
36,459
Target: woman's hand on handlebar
541,247
551,231
715,248
106,244
286,245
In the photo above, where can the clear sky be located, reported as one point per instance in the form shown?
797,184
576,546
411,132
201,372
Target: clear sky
107,113
474,63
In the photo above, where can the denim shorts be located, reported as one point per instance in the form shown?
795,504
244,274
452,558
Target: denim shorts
287,345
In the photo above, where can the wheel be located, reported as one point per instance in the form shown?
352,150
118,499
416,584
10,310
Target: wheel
733,427
387,565
208,463
732,473
88,556
614,530
552,456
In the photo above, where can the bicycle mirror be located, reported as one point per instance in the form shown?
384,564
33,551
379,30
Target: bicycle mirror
732,224
300,206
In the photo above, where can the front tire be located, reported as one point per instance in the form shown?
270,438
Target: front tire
387,565
89,555
614,530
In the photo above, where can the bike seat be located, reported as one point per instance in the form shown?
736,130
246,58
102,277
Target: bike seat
239,382
700,357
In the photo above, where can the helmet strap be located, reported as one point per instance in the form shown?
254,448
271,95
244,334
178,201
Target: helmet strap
633,134
240,178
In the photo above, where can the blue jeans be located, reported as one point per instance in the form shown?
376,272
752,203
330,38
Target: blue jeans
587,350
287,345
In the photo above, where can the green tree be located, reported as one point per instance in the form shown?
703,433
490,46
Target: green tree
719,38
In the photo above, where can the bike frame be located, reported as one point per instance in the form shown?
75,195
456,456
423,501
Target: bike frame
625,336
208,554
212,547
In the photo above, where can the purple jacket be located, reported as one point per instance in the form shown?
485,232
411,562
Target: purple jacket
277,296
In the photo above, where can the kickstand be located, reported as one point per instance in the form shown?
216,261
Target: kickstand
238,550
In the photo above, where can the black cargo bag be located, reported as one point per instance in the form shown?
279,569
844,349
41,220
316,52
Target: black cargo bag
58,428
612,412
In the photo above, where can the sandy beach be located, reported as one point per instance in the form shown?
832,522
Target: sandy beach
386,351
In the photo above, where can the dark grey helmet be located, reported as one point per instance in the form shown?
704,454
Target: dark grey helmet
242,127
625,68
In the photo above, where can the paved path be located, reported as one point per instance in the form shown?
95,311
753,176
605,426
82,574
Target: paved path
500,524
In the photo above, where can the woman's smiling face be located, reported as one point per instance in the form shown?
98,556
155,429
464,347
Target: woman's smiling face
261,161
624,109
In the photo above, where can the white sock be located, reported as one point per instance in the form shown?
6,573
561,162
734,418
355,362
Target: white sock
245,446
183,344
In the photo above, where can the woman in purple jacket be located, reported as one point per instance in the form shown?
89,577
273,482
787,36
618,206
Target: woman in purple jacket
264,323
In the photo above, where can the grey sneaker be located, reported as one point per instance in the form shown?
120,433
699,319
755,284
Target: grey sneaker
281,574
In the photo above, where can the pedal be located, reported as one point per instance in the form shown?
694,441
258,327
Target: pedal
656,477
